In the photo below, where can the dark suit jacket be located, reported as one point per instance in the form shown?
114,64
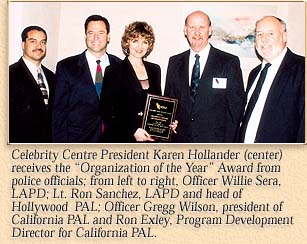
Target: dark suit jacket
123,99
30,120
76,113
216,113
283,116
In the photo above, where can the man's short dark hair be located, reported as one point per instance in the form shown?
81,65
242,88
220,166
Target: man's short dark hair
26,30
97,18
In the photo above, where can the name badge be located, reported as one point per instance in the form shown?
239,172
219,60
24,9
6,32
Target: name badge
219,83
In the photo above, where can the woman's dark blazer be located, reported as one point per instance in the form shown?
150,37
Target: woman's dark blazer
123,99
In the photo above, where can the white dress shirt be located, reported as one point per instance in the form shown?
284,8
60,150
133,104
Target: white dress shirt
91,60
253,123
33,69
203,56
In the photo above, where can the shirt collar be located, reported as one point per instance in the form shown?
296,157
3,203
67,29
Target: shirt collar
202,53
31,66
276,61
92,59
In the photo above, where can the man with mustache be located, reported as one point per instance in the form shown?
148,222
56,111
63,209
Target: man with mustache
209,87
31,88
275,112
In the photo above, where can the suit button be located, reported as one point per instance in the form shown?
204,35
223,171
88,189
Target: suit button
192,119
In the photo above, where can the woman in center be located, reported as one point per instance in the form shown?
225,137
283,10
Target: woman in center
125,86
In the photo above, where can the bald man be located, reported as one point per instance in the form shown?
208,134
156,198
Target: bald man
208,85
277,115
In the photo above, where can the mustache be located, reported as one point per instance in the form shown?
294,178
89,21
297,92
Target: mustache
41,50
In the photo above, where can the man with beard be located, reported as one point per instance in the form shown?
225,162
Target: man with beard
31,88
209,87
79,80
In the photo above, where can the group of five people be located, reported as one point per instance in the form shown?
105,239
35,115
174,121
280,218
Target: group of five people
96,97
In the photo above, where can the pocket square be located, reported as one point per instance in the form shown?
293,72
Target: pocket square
219,83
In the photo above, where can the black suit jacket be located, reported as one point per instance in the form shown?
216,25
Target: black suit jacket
283,116
216,113
123,99
76,113
30,120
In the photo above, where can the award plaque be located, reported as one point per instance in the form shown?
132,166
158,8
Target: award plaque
158,114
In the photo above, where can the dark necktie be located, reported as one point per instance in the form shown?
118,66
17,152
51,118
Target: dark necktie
98,78
195,77
42,86
252,101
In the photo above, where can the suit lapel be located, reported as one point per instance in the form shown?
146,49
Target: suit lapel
28,74
132,79
50,79
280,79
85,78
210,64
151,75
83,69
277,87
31,80
113,59
183,67
252,77
210,69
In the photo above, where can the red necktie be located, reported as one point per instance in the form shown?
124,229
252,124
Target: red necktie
98,78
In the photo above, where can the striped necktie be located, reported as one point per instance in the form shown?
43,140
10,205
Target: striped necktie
42,86
98,78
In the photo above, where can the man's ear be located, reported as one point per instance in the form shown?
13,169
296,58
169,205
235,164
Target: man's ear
285,36
210,31
185,31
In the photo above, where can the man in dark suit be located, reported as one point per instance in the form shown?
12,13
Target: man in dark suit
76,113
31,87
275,112
211,97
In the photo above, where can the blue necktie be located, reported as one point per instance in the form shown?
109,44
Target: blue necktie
195,77
252,101
98,78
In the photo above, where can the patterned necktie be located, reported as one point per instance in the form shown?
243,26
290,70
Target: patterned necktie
195,77
98,78
252,101
42,86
